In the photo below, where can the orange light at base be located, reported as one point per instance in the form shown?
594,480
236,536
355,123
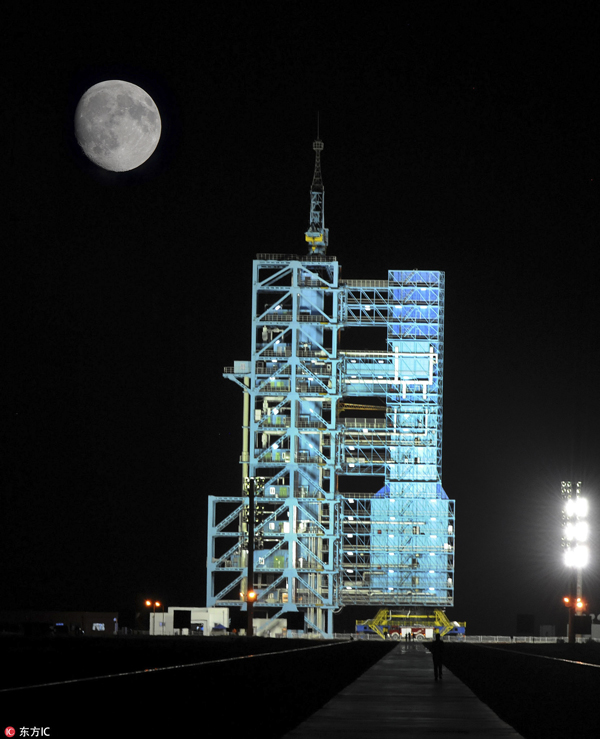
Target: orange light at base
578,604
251,595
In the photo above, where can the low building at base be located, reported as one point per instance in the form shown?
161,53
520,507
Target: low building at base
189,621
70,623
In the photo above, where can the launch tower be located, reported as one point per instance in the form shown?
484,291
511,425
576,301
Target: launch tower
344,444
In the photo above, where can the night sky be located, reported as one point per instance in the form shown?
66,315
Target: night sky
457,138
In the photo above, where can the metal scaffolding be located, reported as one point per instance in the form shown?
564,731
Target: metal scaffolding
319,545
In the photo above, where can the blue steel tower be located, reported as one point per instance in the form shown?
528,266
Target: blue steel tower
321,423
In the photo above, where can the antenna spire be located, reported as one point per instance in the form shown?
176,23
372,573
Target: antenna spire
317,235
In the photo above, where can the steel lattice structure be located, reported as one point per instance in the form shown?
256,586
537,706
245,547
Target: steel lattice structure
319,545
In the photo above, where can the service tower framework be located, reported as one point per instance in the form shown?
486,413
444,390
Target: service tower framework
344,444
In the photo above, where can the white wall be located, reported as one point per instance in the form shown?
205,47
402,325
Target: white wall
162,624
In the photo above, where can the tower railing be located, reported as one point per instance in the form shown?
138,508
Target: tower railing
295,258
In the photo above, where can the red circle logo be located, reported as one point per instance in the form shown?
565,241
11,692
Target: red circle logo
9,731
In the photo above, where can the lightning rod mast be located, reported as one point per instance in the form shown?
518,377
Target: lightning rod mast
317,235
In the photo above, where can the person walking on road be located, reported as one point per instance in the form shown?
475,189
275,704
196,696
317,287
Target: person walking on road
437,651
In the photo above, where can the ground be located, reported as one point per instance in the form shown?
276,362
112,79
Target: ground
268,696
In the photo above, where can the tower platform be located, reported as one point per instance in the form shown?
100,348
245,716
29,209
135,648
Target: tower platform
398,697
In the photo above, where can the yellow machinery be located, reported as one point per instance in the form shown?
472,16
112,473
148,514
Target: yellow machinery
420,624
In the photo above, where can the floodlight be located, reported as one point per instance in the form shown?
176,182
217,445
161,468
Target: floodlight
576,507
578,531
581,531
577,556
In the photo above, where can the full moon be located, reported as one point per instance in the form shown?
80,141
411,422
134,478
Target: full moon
117,125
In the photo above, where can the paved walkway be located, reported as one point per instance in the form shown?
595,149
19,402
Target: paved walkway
398,697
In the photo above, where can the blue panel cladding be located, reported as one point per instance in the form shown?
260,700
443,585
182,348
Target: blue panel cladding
412,543
417,540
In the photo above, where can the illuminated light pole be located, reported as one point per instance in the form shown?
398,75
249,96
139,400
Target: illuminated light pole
250,592
154,605
576,553
251,600
253,486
